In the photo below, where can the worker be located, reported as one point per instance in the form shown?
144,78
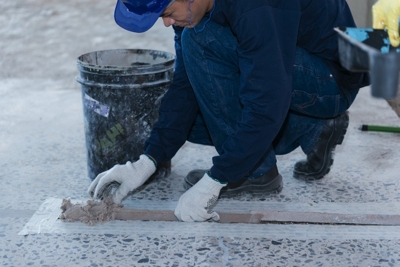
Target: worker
254,79
385,15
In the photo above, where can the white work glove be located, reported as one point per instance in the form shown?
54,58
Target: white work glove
385,15
129,177
195,204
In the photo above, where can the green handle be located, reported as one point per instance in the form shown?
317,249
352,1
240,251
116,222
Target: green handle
377,128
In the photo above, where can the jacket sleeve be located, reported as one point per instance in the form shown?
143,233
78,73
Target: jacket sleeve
177,112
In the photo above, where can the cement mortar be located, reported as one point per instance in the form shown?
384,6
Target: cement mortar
90,213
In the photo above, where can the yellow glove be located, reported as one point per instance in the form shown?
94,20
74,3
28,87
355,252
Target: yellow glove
385,15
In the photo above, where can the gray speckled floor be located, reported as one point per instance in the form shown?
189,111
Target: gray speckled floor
42,156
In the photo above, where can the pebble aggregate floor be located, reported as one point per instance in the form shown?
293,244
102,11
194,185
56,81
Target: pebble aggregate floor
42,156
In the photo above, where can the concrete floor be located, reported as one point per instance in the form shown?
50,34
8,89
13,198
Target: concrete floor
42,160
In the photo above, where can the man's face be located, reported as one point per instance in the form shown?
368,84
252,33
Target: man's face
186,13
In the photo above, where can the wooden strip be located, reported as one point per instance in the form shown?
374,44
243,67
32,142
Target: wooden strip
145,215
228,217
328,218
268,216
93,212
168,215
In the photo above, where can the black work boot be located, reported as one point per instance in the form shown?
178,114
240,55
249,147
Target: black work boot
320,159
269,183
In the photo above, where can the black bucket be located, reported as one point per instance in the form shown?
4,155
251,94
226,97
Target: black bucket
121,94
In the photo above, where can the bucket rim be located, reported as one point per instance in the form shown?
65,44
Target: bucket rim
162,65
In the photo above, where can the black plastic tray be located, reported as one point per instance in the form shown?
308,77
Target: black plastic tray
367,49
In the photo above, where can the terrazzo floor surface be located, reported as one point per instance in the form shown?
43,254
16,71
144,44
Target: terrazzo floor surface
42,157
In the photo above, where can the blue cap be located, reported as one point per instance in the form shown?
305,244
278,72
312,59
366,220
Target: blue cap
138,15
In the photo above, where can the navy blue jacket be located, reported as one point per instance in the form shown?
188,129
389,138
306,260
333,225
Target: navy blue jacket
268,32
